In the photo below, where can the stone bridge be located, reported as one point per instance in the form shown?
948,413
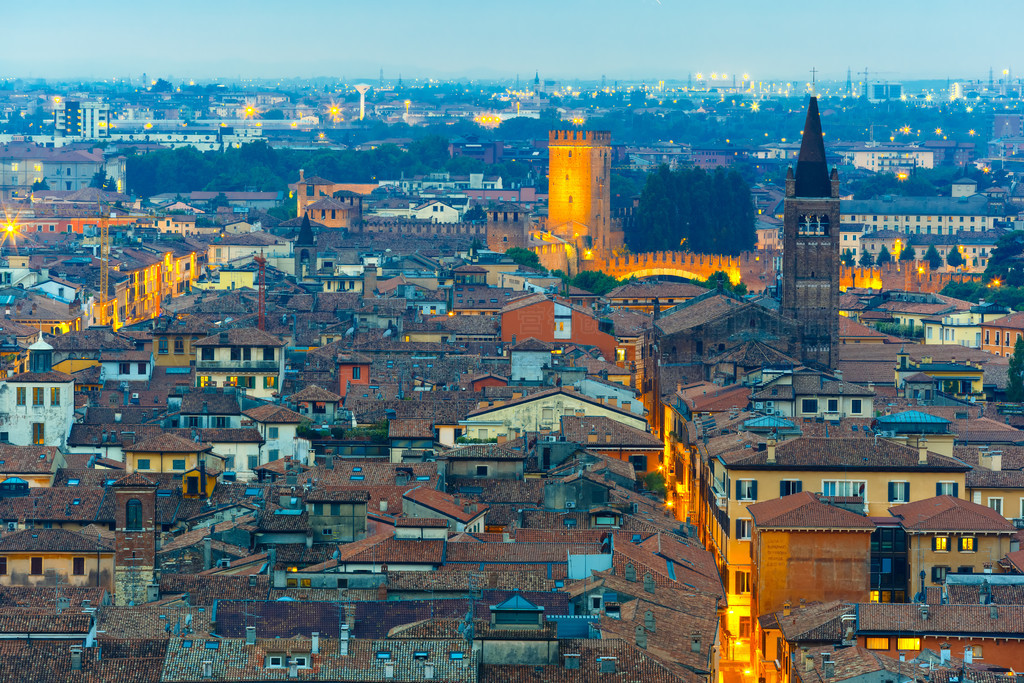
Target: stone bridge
757,271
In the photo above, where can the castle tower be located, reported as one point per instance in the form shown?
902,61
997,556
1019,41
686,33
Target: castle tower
508,226
579,199
135,538
305,251
810,249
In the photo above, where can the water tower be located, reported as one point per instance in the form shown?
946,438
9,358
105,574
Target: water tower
361,89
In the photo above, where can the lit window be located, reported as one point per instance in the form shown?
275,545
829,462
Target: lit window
878,643
940,543
967,544
908,643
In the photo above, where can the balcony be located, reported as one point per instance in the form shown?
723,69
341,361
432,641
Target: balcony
237,365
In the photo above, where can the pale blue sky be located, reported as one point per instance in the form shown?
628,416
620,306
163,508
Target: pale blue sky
624,39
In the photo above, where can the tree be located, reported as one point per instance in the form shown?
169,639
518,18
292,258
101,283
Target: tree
476,213
524,257
866,259
933,258
883,256
955,258
162,86
273,115
595,281
848,258
220,200
102,181
655,483
1015,374
908,254
693,210
40,185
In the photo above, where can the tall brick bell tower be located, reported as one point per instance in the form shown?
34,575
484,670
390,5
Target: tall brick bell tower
810,249
135,537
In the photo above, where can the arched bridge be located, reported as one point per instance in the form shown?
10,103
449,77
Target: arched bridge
756,271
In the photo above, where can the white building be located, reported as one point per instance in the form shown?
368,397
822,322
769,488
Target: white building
37,407
278,426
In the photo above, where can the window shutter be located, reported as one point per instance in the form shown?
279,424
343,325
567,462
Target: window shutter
739,530
892,491
906,491
737,489
797,487
935,544
956,490
782,488
753,490
938,489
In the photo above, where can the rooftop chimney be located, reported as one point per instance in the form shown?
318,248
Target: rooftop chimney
695,642
250,635
922,452
771,451
315,646
76,658
787,608
207,669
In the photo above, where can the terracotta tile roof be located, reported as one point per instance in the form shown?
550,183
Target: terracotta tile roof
532,344
631,664
12,622
444,504
157,623
815,622
944,620
411,429
484,451
270,413
51,377
847,453
241,336
609,433
52,540
167,443
205,590
946,513
804,511
314,393
44,597
277,618
234,660
206,402
135,479
27,459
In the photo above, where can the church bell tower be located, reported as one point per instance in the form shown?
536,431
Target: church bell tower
810,249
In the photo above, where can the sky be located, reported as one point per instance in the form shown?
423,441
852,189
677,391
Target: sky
482,39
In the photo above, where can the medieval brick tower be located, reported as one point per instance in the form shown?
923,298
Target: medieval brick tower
135,538
508,226
810,249
579,204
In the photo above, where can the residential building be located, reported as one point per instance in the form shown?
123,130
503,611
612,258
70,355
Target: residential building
245,357
946,535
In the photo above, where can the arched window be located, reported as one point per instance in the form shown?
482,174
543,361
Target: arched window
133,515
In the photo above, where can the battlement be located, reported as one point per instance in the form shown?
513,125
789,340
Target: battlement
563,138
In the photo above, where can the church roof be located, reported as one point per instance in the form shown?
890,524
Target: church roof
811,167
305,237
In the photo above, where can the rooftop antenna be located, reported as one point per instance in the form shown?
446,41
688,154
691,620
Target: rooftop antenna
362,88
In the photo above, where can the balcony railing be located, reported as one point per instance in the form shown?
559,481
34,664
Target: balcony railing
238,365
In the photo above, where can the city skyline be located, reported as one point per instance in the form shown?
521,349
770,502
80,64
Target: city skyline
635,40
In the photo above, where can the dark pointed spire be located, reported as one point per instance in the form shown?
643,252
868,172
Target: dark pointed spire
305,232
811,167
